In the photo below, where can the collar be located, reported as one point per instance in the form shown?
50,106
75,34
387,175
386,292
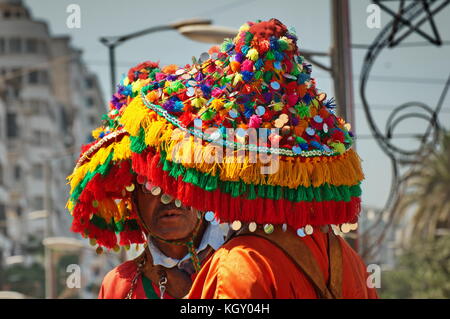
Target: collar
214,237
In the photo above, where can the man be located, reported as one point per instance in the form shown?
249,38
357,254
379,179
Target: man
289,250
244,135
109,197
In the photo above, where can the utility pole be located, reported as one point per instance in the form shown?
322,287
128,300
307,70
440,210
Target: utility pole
341,59
342,71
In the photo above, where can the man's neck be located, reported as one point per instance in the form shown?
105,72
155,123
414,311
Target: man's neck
178,251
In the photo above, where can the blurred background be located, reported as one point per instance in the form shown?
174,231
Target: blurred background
386,62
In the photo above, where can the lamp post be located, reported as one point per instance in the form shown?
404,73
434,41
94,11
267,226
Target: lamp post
113,41
54,245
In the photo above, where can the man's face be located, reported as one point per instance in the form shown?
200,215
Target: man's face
166,221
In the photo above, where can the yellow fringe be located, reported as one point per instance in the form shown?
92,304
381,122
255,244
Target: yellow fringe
292,172
122,149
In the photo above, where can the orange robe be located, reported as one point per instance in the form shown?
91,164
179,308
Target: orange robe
117,283
251,267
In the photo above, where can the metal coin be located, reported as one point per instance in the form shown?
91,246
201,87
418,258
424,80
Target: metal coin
310,131
203,57
318,119
130,188
284,227
301,232
252,226
297,150
236,225
190,91
166,199
198,123
233,113
156,190
325,127
290,76
209,216
275,85
178,203
260,110
309,230
268,228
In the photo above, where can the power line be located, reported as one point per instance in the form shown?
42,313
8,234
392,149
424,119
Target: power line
375,78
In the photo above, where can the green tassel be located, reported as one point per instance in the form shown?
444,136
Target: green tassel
138,142
283,45
211,183
270,191
270,55
303,110
317,194
235,189
267,76
327,192
355,190
118,226
167,166
345,193
251,192
99,222
278,192
309,194
261,191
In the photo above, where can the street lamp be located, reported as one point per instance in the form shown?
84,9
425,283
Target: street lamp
114,41
56,244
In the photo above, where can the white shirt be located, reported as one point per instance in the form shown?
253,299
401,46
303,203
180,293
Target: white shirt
214,236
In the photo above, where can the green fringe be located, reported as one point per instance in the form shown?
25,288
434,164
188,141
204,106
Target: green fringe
210,183
138,142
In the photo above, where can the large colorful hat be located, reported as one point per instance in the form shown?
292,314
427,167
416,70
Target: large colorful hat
242,132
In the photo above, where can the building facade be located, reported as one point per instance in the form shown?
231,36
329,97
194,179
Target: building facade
49,103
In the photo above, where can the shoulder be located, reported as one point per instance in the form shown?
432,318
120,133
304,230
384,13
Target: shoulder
242,268
117,282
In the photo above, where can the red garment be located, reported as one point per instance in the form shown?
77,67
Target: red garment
251,267
117,283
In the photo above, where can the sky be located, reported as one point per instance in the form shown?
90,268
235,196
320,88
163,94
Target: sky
400,75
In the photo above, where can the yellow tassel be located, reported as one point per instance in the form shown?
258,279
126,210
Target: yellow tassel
122,149
134,115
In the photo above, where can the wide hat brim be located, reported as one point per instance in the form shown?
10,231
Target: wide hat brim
156,133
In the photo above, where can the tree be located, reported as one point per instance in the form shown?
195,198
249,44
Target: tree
427,193
422,271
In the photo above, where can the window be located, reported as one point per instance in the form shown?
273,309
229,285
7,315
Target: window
89,83
38,77
17,172
37,171
89,102
3,219
37,203
15,45
11,122
2,46
40,138
31,46
33,77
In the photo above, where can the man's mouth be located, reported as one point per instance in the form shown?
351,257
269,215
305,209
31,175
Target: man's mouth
170,212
